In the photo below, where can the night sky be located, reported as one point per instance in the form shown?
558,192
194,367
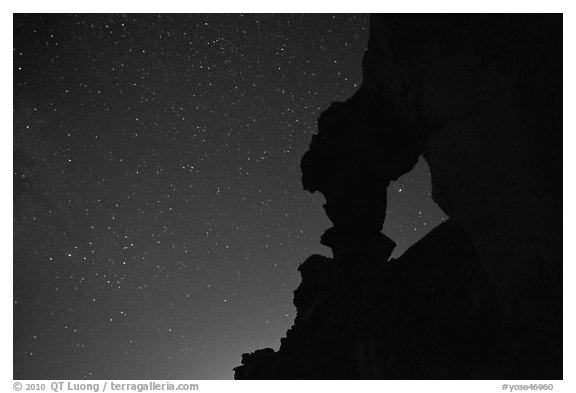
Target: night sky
159,217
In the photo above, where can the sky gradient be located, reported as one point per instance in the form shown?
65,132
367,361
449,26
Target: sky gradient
159,217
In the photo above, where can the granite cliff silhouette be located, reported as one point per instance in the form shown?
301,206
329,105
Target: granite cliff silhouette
480,98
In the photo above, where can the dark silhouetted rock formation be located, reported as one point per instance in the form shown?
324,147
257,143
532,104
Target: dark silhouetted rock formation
480,97
429,314
352,169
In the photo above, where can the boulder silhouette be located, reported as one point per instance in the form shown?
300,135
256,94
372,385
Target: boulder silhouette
480,98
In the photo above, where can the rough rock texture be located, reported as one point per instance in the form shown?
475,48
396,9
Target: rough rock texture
480,96
429,314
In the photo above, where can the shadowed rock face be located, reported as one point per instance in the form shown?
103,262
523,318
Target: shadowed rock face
361,146
486,90
480,96
429,314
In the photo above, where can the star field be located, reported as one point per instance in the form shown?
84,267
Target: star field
158,212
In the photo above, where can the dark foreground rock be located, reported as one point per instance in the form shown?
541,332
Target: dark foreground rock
480,98
429,314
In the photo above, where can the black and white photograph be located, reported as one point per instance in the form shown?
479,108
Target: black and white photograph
287,196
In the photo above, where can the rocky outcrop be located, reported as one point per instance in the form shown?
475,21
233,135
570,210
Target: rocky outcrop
480,97
486,91
429,314
353,169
